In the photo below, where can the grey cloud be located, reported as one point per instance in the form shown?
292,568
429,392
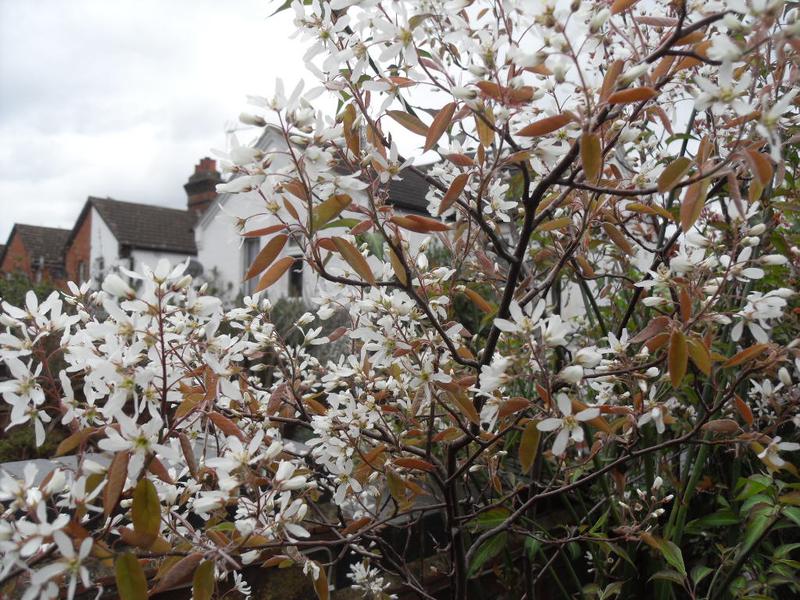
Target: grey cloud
122,98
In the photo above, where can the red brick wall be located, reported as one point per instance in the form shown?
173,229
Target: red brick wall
80,251
16,258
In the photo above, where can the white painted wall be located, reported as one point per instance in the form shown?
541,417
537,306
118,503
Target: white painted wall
104,252
151,258
104,248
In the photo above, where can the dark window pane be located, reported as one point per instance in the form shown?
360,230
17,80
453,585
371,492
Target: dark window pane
296,279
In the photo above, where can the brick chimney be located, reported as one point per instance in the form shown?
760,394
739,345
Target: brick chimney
200,189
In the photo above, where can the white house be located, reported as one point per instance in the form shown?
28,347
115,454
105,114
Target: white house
111,233
226,256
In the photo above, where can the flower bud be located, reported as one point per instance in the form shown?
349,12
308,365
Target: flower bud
773,259
750,241
588,357
249,119
116,286
597,22
757,229
633,74
478,70
463,93
572,374
783,375
652,301
183,282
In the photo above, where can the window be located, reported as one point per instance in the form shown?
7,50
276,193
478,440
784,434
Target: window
250,250
296,278
83,274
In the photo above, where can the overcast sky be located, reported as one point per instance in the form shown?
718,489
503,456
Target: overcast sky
121,98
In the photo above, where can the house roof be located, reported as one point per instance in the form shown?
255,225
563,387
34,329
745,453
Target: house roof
42,242
409,192
144,226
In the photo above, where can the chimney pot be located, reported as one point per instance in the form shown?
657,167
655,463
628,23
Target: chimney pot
201,187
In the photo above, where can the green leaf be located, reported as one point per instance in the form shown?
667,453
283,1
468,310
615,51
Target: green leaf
755,529
612,589
755,502
600,522
349,223
203,583
673,555
618,550
785,549
792,513
720,518
700,572
146,511
532,546
131,582
490,518
328,210
374,243
288,4
488,550
668,575
753,485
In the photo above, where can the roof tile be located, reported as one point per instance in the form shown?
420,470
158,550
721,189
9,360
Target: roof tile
149,227
46,242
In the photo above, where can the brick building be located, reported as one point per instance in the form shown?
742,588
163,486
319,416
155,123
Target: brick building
38,252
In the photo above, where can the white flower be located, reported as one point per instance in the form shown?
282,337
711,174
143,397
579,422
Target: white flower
569,425
726,92
654,411
139,439
241,586
116,286
285,481
389,168
770,453
556,331
571,374
237,455
239,185
724,49
493,375
588,357
618,345
759,309
71,562
524,321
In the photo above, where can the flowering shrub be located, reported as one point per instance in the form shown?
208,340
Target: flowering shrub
616,195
